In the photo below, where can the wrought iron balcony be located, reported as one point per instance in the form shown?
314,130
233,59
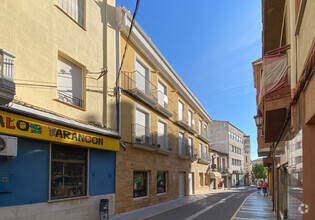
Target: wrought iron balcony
186,151
182,120
7,86
65,97
163,104
204,158
140,87
204,135
146,139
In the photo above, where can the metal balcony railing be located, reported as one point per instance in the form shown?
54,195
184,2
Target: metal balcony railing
185,150
6,65
205,157
182,119
63,96
164,104
146,139
141,134
204,135
135,81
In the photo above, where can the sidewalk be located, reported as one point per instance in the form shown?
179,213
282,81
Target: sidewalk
256,207
150,210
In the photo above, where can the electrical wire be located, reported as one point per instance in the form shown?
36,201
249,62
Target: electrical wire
131,26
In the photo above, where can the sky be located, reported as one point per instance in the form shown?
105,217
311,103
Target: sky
211,45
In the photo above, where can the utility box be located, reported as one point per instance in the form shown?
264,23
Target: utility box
5,183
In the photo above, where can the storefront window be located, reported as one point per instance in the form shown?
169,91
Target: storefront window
161,182
140,184
68,171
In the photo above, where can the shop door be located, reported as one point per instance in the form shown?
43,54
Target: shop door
190,183
181,184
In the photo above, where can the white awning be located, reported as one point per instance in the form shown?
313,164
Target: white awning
214,175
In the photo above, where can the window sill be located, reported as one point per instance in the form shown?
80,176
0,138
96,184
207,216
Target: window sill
139,198
57,6
68,199
82,109
161,194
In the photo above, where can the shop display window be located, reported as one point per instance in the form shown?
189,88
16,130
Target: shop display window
68,171
140,184
161,182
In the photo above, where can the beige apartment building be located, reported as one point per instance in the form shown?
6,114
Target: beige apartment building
164,128
247,162
58,120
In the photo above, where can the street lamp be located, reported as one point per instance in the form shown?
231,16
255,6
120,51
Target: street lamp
258,120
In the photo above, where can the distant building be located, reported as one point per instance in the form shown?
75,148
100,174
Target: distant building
229,140
247,161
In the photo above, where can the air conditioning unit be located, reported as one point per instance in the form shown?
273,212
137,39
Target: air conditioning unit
8,146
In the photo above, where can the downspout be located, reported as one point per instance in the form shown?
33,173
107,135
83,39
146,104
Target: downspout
293,44
105,84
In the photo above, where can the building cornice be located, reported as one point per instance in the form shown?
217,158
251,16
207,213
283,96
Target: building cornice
142,41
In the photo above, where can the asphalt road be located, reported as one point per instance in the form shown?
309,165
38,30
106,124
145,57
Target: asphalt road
218,206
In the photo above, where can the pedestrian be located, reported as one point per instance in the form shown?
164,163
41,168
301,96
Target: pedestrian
220,184
258,186
264,186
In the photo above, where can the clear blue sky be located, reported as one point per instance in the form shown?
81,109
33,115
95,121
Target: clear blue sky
211,45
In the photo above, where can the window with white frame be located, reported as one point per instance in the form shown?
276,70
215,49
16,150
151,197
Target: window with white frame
200,126
190,145
140,184
181,143
141,127
68,172
73,8
181,109
162,135
200,149
162,94
205,128
161,182
190,117
70,82
142,81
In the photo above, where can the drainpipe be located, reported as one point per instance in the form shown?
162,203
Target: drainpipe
105,84
293,44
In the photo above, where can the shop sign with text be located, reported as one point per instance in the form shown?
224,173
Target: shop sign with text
14,124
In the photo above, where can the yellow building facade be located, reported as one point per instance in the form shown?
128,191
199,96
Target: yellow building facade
57,112
164,128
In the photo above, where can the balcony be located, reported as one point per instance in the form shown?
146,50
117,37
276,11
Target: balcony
181,119
163,105
145,139
204,158
67,98
140,87
204,135
186,152
7,85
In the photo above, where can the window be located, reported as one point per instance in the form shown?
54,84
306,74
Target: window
181,110
190,118
200,149
68,172
69,82
205,129
162,94
181,143
140,184
223,163
161,178
142,80
190,146
74,8
141,127
200,179
162,135
200,126
218,163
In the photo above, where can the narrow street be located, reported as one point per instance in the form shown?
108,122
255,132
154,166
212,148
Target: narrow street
217,206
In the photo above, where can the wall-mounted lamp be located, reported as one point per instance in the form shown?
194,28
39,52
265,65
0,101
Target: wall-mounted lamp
258,120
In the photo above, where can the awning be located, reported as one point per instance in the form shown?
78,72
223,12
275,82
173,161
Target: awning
214,175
